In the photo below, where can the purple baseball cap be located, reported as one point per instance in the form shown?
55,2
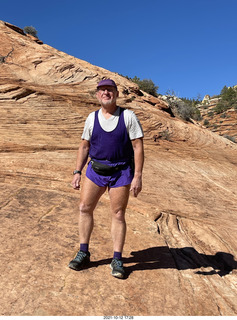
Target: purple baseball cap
107,82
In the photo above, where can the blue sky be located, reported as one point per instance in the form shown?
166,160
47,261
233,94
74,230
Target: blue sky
185,46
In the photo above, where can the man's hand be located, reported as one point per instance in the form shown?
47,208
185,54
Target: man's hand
76,181
136,186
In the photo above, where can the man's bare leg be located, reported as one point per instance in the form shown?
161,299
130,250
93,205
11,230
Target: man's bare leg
90,196
118,200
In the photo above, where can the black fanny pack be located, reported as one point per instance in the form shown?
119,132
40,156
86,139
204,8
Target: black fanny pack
104,169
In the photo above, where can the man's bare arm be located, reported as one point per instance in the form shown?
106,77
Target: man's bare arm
136,185
82,156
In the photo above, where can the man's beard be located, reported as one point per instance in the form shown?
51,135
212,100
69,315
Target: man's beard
107,103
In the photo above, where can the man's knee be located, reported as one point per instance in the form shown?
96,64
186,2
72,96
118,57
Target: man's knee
84,208
119,215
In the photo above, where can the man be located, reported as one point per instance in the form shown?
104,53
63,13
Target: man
113,138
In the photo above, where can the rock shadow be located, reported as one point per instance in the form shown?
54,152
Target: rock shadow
222,263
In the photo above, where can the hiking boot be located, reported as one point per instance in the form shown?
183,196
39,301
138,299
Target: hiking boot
117,268
81,260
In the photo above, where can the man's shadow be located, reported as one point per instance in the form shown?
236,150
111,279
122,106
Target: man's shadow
185,258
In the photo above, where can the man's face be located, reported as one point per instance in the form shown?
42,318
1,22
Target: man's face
107,95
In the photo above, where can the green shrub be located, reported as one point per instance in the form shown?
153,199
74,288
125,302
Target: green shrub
228,94
166,135
192,102
185,111
146,85
230,138
221,107
30,30
228,100
223,115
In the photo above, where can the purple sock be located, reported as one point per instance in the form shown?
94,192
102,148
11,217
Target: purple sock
117,255
84,247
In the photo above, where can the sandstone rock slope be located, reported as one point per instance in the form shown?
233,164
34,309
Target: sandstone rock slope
180,253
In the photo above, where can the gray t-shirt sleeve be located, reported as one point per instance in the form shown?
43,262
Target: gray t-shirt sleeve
133,125
88,127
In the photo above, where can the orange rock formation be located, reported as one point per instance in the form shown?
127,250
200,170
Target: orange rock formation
180,253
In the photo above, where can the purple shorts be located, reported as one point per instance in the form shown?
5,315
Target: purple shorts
118,179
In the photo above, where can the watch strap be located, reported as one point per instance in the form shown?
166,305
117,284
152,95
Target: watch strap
77,171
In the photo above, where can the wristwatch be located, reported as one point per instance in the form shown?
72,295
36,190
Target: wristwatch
77,171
